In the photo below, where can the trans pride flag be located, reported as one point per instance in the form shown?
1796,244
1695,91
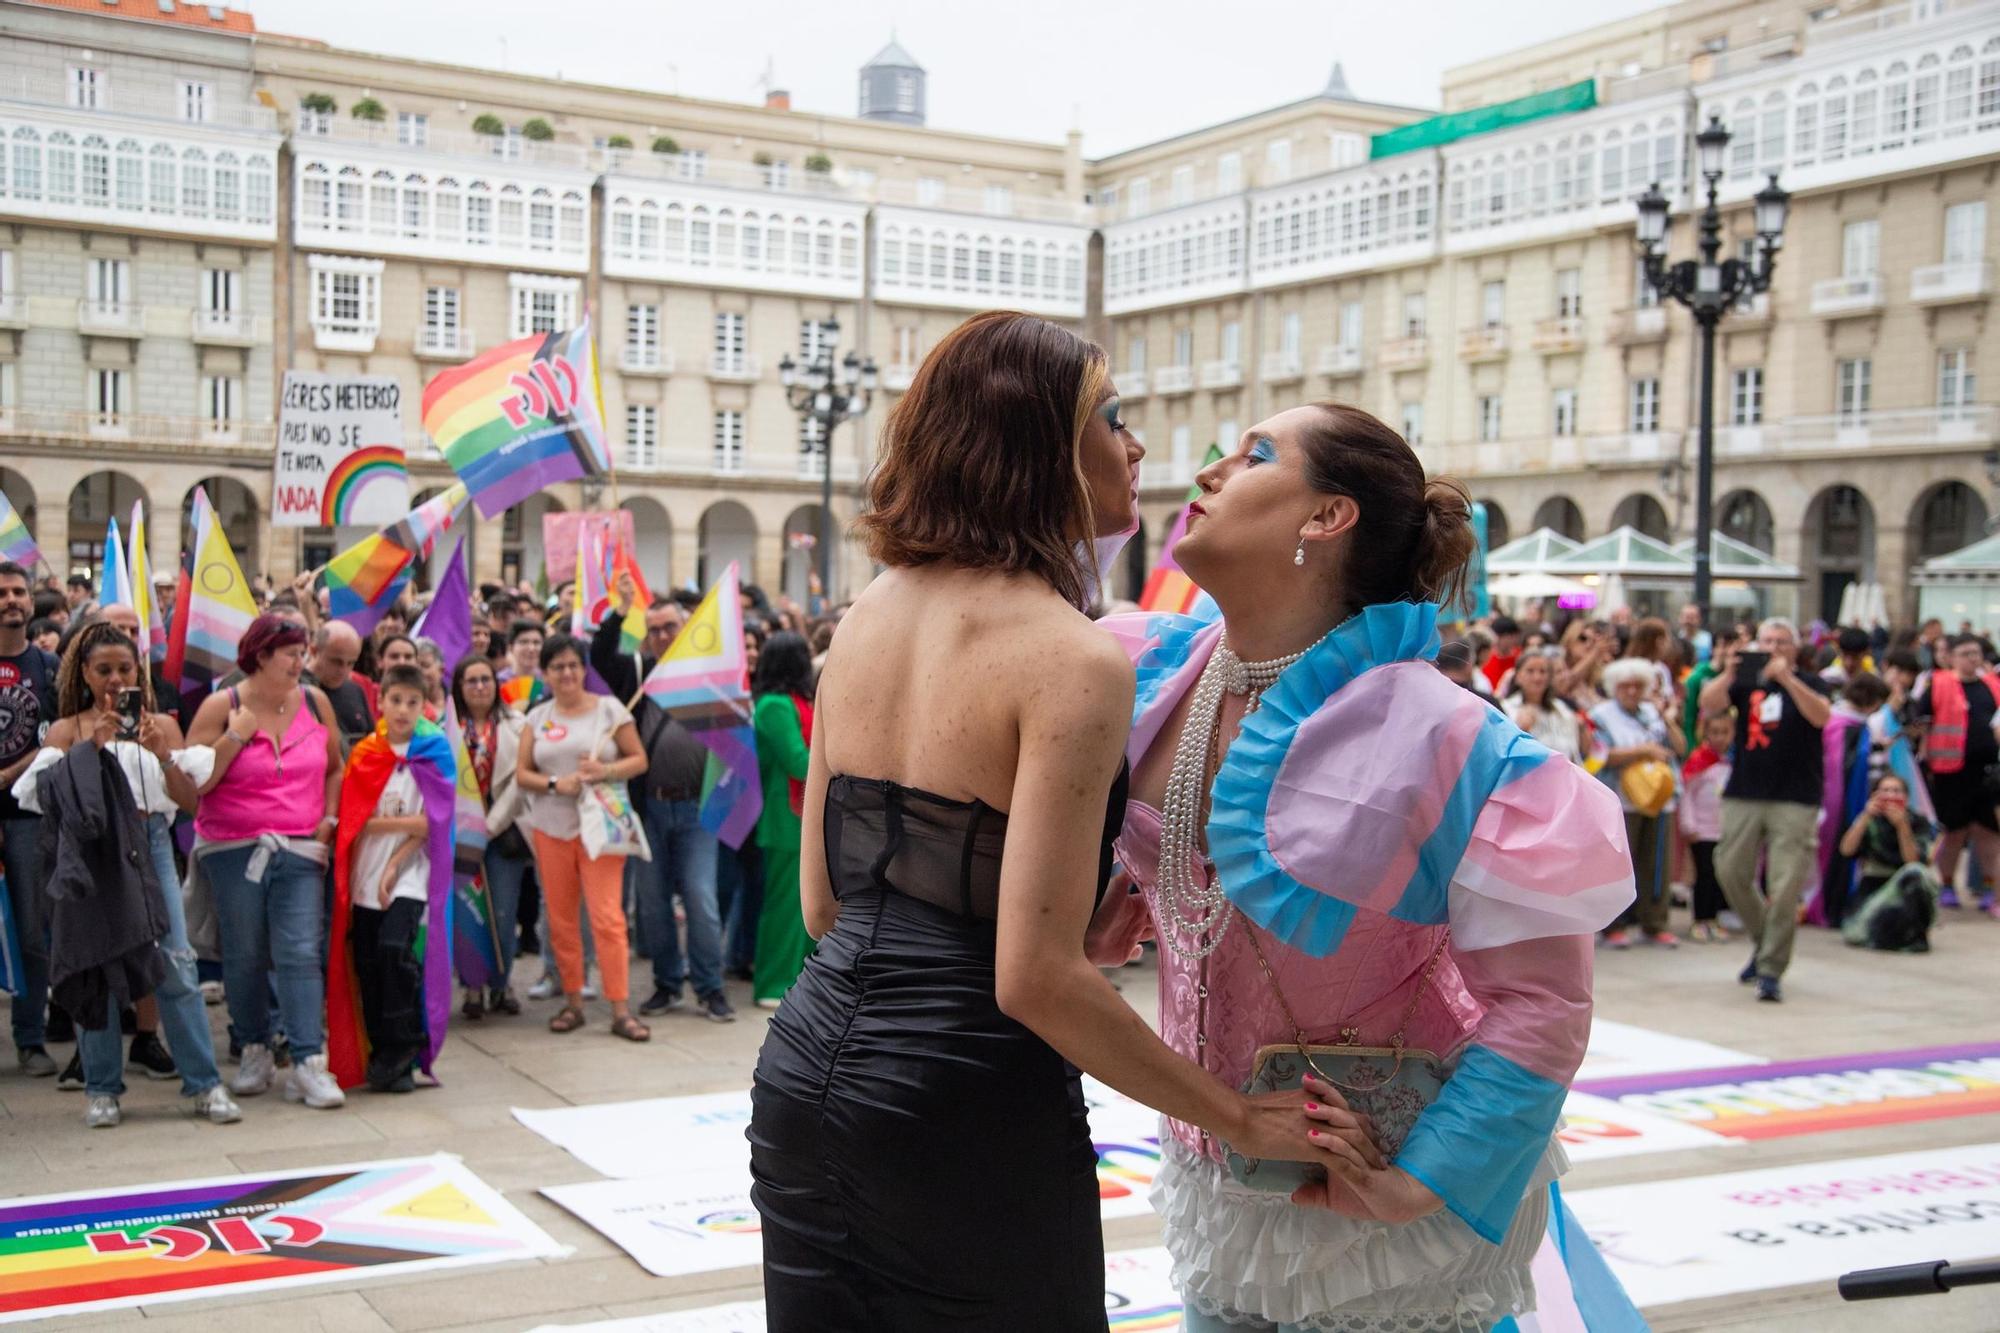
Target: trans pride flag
113,577
1167,588
365,580
524,416
15,543
217,610
700,683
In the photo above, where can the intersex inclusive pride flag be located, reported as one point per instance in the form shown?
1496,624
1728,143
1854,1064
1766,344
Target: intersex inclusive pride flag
700,683
218,607
524,416
1167,588
15,543
365,580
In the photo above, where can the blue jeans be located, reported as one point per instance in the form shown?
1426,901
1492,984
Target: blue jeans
22,857
182,1013
504,875
739,890
683,863
275,926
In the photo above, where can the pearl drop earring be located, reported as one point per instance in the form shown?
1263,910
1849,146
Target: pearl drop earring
1299,556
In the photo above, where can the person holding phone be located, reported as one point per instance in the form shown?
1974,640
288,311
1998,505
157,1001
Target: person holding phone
1770,807
1886,836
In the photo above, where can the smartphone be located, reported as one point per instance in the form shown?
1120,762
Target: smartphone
1890,802
130,700
1750,668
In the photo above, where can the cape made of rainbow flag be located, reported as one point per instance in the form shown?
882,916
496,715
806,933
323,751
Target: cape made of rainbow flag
365,580
700,683
524,416
15,543
1167,587
217,610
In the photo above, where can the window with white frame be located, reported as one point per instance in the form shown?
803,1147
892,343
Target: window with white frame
777,174
1489,417
692,164
8,401
1183,347
729,354
541,304
108,284
1277,161
1182,447
812,447
642,335
7,280
906,92
1350,325
1413,423
1851,388
905,342
816,339
1138,197
999,200
441,318
87,88
1965,232
413,129
1180,186
1562,414
1291,334
1135,357
1229,173
1231,346
221,400
1644,297
1957,382
1413,314
1492,305
346,295
1569,293
1226,433
220,288
106,392
930,191
195,101
314,121
1861,249
1746,396
642,435
1643,410
728,441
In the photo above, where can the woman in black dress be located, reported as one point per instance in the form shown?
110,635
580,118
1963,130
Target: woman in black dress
919,1147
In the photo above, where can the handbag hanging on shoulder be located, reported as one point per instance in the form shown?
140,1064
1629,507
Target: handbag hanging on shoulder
1391,1085
605,819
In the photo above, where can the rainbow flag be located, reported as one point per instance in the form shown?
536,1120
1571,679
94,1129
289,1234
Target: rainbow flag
152,628
1167,587
15,543
524,416
112,576
365,580
218,606
700,683
521,693
632,629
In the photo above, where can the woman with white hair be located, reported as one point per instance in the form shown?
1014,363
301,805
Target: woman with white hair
1631,732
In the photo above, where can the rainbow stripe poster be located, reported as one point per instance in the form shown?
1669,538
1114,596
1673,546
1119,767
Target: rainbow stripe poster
1768,1101
112,1249
340,452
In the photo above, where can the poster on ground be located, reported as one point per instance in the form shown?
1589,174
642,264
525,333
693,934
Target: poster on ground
339,459
1618,1049
1595,1128
1720,1235
183,1240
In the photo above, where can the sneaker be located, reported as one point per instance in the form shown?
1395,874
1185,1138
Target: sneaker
35,1062
1618,939
715,1008
61,1027
1665,939
543,989
660,1001
1749,972
1946,898
1767,989
211,993
71,1078
102,1113
312,1084
214,1106
150,1058
769,1004
255,1071
589,989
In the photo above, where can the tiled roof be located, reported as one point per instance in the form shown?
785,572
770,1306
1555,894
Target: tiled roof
215,18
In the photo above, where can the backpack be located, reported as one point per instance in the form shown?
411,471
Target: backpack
1898,916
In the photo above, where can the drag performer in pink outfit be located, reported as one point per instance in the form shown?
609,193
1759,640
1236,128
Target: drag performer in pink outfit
1340,847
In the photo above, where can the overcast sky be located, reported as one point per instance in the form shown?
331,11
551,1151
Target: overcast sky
1123,71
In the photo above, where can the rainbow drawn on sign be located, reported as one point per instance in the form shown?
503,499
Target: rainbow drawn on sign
731,1222
1126,1168
340,500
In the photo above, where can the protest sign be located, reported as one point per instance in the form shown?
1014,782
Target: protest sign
339,459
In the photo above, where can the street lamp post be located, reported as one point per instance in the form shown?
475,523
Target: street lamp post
1709,287
829,392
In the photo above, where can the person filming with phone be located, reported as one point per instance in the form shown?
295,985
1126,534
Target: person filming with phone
1770,807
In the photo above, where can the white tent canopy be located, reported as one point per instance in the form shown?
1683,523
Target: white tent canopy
1535,587
1529,554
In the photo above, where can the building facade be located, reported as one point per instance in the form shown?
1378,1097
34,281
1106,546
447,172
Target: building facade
189,207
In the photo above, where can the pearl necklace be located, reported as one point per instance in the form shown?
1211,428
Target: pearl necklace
1199,908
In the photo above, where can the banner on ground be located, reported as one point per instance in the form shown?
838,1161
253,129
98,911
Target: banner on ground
1813,1096
1693,1239
1594,1128
142,1245
340,452
1618,1049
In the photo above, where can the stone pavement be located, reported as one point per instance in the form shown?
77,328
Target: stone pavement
1839,1000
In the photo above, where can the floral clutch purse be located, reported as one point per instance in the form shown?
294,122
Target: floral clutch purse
1391,1085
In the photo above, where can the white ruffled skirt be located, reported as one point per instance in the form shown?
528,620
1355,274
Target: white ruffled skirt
1245,1256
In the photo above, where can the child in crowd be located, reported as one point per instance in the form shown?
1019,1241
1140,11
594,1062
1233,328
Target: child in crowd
395,811
1702,780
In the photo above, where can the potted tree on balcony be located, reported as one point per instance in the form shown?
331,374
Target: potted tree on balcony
369,109
537,129
819,164
666,145
489,124
321,104
619,141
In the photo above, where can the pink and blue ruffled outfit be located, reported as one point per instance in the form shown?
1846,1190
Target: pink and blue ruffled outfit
1367,806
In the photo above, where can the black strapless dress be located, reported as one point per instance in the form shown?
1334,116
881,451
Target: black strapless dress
921,1160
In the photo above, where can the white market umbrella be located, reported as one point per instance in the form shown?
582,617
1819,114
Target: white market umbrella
1535,587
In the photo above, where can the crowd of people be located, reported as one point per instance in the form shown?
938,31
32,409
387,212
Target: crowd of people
267,848
1770,777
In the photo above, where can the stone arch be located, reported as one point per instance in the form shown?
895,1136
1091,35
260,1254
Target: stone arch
1498,531
652,541
20,493
1945,517
800,557
1561,514
1744,515
93,502
1838,546
235,504
1643,513
728,532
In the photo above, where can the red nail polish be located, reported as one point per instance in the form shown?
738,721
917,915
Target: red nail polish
1312,1133
1312,1106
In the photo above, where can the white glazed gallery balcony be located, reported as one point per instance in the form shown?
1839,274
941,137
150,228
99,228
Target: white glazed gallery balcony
1857,294
1942,284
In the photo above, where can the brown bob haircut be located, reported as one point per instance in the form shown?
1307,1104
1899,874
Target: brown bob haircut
979,462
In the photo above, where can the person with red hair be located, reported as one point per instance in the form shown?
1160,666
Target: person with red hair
266,820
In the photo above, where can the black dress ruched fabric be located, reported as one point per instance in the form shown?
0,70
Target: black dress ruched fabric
921,1161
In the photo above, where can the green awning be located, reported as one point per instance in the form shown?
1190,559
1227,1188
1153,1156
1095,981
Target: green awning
1457,125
